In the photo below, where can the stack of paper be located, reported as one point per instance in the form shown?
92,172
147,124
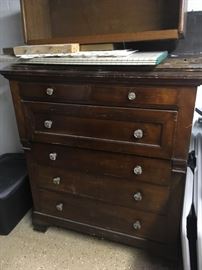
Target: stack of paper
117,57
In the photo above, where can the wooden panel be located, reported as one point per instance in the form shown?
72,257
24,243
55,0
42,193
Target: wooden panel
184,125
107,216
126,37
183,17
109,126
115,95
46,49
118,191
20,117
61,21
101,163
36,19
92,17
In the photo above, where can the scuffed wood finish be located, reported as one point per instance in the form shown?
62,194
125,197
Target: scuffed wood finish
154,198
103,163
92,134
172,72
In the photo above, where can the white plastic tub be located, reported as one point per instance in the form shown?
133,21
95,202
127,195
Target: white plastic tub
193,198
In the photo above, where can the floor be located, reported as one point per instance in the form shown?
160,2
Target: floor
25,249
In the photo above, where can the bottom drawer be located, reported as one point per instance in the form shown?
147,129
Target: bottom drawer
111,217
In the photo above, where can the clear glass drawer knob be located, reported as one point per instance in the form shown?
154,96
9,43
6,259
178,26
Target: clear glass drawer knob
49,91
137,225
138,134
131,96
59,207
56,180
137,196
48,123
53,156
138,170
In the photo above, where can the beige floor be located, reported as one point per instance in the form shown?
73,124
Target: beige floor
25,249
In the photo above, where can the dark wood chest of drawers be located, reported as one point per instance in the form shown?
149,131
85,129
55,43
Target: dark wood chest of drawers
106,149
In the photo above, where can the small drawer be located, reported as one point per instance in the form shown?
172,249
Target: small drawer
100,163
100,94
133,131
110,217
117,191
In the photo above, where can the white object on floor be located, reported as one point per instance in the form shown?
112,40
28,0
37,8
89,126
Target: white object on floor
193,197
198,195
188,195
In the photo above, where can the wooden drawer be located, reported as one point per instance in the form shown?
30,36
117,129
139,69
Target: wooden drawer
118,191
111,217
101,163
127,96
135,131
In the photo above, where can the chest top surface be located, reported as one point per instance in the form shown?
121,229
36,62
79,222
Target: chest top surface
177,71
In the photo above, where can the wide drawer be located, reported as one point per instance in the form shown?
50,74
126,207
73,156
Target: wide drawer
136,131
103,163
111,217
135,95
118,191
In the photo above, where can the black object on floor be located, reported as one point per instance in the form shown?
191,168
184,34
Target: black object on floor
15,195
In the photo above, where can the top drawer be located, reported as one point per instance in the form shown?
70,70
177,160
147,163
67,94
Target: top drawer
129,96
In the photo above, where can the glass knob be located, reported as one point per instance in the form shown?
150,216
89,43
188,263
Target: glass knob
138,134
59,207
132,96
137,225
56,180
48,123
138,170
53,156
137,196
49,91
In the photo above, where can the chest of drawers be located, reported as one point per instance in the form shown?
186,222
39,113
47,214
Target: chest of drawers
106,149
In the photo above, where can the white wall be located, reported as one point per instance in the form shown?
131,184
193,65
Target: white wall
10,35
10,24
195,5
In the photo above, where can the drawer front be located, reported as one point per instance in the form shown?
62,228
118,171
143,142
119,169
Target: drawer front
103,163
118,191
101,94
136,131
111,217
